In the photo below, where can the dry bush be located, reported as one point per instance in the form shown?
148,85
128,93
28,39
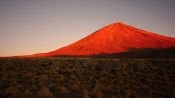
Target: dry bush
44,92
119,96
62,89
85,94
13,92
28,74
44,77
32,87
113,96
108,88
41,84
97,92
76,86
4,76
12,81
27,94
61,77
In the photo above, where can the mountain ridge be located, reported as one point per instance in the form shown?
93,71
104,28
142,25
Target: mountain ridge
113,38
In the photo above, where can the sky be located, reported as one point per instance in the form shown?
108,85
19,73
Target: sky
38,26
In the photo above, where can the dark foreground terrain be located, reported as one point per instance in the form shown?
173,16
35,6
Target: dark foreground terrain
87,78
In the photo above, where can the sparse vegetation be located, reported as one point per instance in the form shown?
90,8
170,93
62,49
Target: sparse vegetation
87,78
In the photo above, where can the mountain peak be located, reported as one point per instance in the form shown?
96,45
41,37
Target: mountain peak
113,26
118,24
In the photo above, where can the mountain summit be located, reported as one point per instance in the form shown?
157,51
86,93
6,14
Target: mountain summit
114,38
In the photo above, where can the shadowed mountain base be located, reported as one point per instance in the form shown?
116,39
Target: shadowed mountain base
147,53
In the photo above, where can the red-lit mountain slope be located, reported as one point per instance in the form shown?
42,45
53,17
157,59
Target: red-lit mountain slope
114,38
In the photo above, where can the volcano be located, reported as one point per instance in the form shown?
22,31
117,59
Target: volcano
114,38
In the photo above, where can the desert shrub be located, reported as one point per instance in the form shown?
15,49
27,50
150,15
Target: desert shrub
119,96
76,86
126,78
44,77
62,89
13,92
97,92
108,88
27,94
44,92
4,76
12,81
85,94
